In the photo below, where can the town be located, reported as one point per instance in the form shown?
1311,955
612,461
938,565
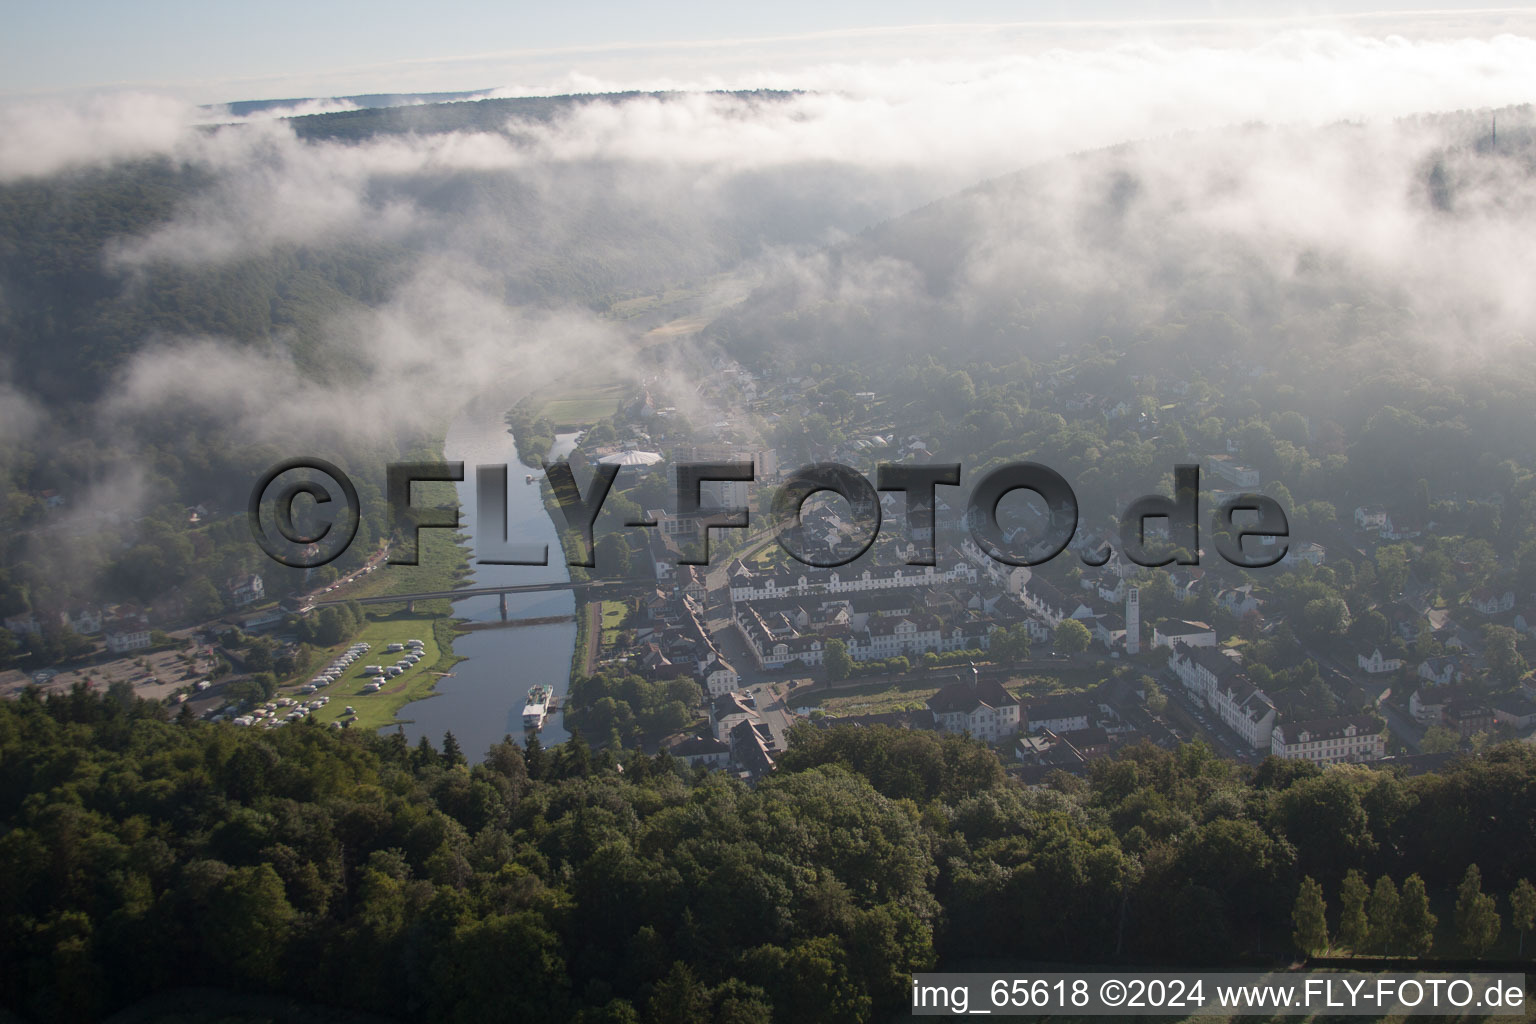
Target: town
1058,665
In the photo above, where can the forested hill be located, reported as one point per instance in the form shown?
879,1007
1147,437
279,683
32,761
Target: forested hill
351,870
79,294
487,115
245,108
1357,242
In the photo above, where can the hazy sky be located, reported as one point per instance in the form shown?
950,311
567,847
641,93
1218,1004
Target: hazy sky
208,51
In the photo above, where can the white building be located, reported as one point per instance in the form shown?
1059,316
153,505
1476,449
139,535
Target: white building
1200,669
1376,663
1068,713
749,586
703,750
1492,601
721,678
246,589
1328,740
1230,470
1370,517
1246,710
1186,632
984,709
120,641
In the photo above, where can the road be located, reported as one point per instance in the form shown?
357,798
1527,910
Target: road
770,704
1203,721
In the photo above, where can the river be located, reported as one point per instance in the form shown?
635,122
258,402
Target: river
482,701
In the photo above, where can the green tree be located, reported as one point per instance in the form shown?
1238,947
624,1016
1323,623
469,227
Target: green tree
1415,922
1522,909
1310,918
1477,914
1072,637
1502,653
452,755
680,998
1354,926
1391,570
535,759
202,599
248,922
1439,740
1326,616
8,648
1011,643
1383,911
837,659
613,558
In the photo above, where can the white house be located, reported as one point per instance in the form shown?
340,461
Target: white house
982,708
1370,517
1309,551
1492,600
245,589
727,712
1440,671
721,678
1067,713
703,750
120,641
83,620
1377,663
1238,601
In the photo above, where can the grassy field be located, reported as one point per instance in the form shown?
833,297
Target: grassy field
884,697
875,699
582,406
375,710
613,614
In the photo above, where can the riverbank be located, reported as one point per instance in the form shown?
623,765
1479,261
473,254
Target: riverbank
382,708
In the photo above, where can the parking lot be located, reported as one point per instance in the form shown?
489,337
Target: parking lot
153,674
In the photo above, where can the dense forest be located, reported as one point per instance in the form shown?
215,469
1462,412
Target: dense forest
144,854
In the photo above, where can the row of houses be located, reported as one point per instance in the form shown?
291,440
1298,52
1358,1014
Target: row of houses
873,626
673,641
1215,678
747,584
1467,712
123,628
118,624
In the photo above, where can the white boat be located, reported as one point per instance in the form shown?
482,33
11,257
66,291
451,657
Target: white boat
536,711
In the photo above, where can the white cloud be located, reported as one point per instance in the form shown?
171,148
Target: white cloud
39,137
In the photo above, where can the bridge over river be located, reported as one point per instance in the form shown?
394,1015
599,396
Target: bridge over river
588,589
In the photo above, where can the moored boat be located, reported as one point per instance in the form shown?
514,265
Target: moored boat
536,711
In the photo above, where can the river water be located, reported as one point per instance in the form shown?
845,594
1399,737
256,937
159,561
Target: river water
482,701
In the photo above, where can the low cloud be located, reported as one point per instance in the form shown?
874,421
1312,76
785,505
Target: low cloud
40,137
